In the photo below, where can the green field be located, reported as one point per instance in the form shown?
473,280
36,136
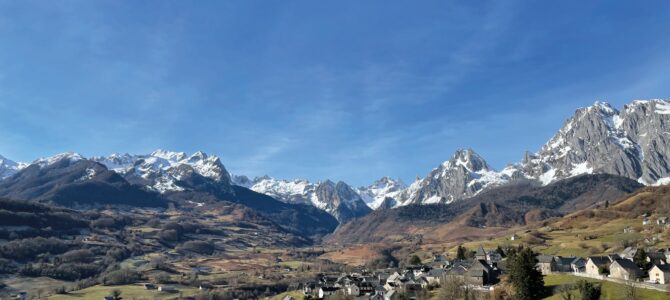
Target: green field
610,290
583,237
127,292
294,264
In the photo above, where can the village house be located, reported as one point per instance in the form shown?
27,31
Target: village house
493,257
311,288
656,258
578,265
439,258
366,288
327,291
660,274
167,289
597,265
205,286
480,254
377,297
514,237
352,290
662,221
625,269
480,273
564,264
149,286
628,229
435,276
646,221
546,264
391,295
628,253
22,295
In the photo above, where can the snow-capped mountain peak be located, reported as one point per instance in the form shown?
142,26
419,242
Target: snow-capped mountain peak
164,170
468,159
376,194
67,156
9,167
464,175
338,199
169,155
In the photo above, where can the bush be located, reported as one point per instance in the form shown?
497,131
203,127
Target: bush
105,223
200,247
119,277
162,278
69,271
78,256
7,266
60,290
32,247
170,235
118,254
588,290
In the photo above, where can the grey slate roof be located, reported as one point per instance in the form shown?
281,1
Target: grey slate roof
629,266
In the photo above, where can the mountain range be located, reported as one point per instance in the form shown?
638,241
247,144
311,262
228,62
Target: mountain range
158,180
633,142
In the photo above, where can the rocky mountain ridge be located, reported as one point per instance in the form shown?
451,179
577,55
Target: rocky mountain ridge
338,199
599,139
633,142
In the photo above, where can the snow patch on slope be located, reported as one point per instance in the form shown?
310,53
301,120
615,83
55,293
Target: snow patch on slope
663,108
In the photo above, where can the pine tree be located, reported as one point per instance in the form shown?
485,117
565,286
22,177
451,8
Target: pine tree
415,260
525,277
640,258
588,290
460,252
500,251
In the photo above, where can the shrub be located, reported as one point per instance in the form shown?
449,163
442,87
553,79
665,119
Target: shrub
105,223
118,254
170,235
119,277
78,256
588,290
162,278
200,247
60,290
32,247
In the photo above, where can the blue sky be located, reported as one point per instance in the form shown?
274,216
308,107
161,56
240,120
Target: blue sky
347,90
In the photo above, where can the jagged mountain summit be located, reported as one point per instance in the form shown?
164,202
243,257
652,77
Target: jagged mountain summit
382,193
633,143
165,171
9,167
196,181
464,175
338,199
69,179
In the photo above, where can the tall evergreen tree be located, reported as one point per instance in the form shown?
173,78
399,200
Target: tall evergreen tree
589,290
460,252
640,258
415,260
500,251
524,275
